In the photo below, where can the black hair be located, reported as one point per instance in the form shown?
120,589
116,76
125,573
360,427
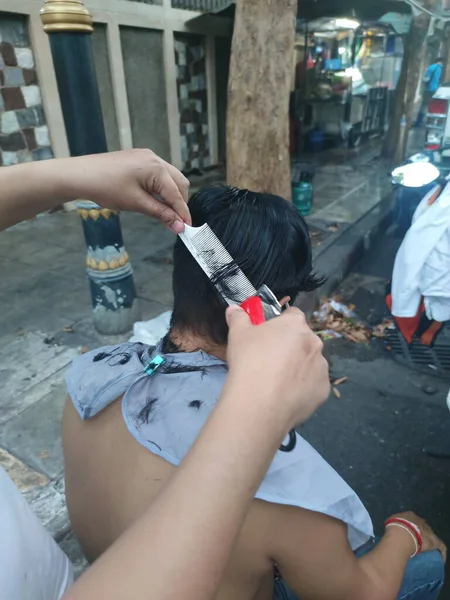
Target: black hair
266,236
440,59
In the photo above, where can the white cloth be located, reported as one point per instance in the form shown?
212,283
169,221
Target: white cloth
32,566
422,264
150,332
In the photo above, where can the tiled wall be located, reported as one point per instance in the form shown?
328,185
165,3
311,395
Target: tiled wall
192,100
24,135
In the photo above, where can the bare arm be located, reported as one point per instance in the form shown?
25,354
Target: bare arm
317,562
132,180
181,546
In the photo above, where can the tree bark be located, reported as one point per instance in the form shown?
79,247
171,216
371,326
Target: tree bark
395,143
258,96
445,52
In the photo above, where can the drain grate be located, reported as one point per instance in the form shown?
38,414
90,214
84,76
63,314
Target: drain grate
433,361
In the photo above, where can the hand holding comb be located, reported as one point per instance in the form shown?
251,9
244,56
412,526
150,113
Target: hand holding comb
226,276
232,284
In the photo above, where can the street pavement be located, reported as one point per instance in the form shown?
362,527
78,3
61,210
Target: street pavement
376,433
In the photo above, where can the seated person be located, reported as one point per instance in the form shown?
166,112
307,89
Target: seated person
130,420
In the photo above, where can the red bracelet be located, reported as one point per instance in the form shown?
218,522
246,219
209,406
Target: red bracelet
411,528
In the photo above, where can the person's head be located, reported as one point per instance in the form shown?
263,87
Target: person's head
440,60
267,238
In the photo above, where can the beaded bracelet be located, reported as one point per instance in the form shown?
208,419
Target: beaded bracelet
411,528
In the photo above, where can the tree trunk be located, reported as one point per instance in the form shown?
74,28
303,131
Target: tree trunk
258,96
395,143
446,53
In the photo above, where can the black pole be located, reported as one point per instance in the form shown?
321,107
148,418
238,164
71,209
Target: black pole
114,299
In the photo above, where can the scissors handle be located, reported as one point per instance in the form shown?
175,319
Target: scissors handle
254,308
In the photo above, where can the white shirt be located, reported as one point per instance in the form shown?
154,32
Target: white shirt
32,566
422,264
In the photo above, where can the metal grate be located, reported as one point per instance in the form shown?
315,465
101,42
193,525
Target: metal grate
433,361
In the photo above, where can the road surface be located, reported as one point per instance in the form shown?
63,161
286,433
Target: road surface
376,435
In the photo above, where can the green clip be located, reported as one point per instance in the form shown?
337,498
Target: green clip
152,366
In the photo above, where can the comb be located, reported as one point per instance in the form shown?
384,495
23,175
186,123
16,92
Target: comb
214,258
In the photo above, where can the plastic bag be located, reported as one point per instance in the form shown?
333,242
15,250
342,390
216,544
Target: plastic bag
150,332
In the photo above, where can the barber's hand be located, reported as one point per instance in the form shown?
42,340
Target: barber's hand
132,180
280,360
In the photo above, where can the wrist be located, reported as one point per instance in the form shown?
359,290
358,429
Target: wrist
403,540
258,404
66,179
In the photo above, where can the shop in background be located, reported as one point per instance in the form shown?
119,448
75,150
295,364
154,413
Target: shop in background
344,74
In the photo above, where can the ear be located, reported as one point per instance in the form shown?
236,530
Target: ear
285,300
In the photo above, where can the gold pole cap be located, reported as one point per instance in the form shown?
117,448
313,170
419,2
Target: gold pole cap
66,15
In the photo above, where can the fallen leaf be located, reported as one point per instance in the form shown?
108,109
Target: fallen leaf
68,329
336,392
351,338
379,334
84,349
389,348
334,315
44,454
340,380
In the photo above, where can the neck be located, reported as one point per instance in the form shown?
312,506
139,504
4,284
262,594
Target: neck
188,342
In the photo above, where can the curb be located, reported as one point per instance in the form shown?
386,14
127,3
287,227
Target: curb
342,252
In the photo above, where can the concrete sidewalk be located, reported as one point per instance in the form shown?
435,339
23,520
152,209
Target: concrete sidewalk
46,318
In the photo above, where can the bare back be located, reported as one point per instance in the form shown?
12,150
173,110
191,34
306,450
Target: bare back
110,481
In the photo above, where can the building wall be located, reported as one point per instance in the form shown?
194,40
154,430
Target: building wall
192,100
222,67
143,61
24,135
135,60
105,87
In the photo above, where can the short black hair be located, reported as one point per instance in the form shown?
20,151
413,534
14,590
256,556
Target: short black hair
440,59
266,236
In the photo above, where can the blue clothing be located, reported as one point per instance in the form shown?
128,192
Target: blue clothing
423,578
433,77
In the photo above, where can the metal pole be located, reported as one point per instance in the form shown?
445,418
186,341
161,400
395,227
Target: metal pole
69,26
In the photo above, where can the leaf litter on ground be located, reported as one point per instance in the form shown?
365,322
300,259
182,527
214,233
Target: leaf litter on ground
336,320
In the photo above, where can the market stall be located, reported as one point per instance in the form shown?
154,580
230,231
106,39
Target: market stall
342,77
